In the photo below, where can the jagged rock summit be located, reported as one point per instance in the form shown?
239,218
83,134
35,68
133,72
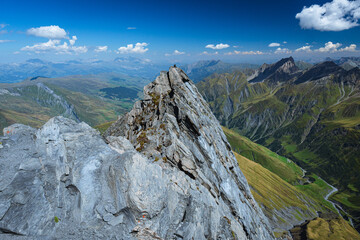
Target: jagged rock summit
166,171
174,127
281,71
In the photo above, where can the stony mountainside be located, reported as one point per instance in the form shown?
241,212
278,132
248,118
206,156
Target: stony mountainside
319,71
348,62
281,71
166,171
174,127
313,118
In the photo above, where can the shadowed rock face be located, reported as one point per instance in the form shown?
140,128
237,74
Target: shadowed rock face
319,71
281,71
166,171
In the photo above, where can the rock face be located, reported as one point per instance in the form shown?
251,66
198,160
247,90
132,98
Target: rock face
174,127
281,71
54,100
319,71
166,171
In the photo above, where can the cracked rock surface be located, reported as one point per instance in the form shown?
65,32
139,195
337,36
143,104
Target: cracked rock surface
164,171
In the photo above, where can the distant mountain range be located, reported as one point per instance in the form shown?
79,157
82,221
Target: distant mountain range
202,69
139,67
16,72
348,62
311,116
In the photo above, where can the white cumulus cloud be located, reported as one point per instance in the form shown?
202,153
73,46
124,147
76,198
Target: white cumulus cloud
101,49
244,53
337,15
217,46
351,48
252,53
55,45
72,40
209,54
176,52
274,44
51,32
282,51
304,49
137,48
331,47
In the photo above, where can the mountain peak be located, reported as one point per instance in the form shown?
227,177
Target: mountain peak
284,60
174,127
281,71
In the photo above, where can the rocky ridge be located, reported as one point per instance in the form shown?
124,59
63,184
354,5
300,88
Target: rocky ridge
281,71
174,127
166,171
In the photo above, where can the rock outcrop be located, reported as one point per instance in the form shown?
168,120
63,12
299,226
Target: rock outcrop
281,71
174,127
166,171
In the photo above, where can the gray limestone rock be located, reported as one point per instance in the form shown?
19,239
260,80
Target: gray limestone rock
174,127
166,171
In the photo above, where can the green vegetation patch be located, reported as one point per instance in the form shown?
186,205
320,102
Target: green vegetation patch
103,127
120,92
279,165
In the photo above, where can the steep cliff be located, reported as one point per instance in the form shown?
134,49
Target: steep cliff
174,127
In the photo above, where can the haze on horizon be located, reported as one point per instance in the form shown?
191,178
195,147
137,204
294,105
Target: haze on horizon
161,31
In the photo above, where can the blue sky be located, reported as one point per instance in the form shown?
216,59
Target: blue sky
184,31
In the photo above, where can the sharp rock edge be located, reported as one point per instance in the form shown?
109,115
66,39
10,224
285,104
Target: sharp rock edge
166,171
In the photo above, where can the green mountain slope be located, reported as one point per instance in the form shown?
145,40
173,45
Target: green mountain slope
323,228
93,98
285,201
282,203
314,122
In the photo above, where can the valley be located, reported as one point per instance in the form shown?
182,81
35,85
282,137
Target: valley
310,116
285,201
86,98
